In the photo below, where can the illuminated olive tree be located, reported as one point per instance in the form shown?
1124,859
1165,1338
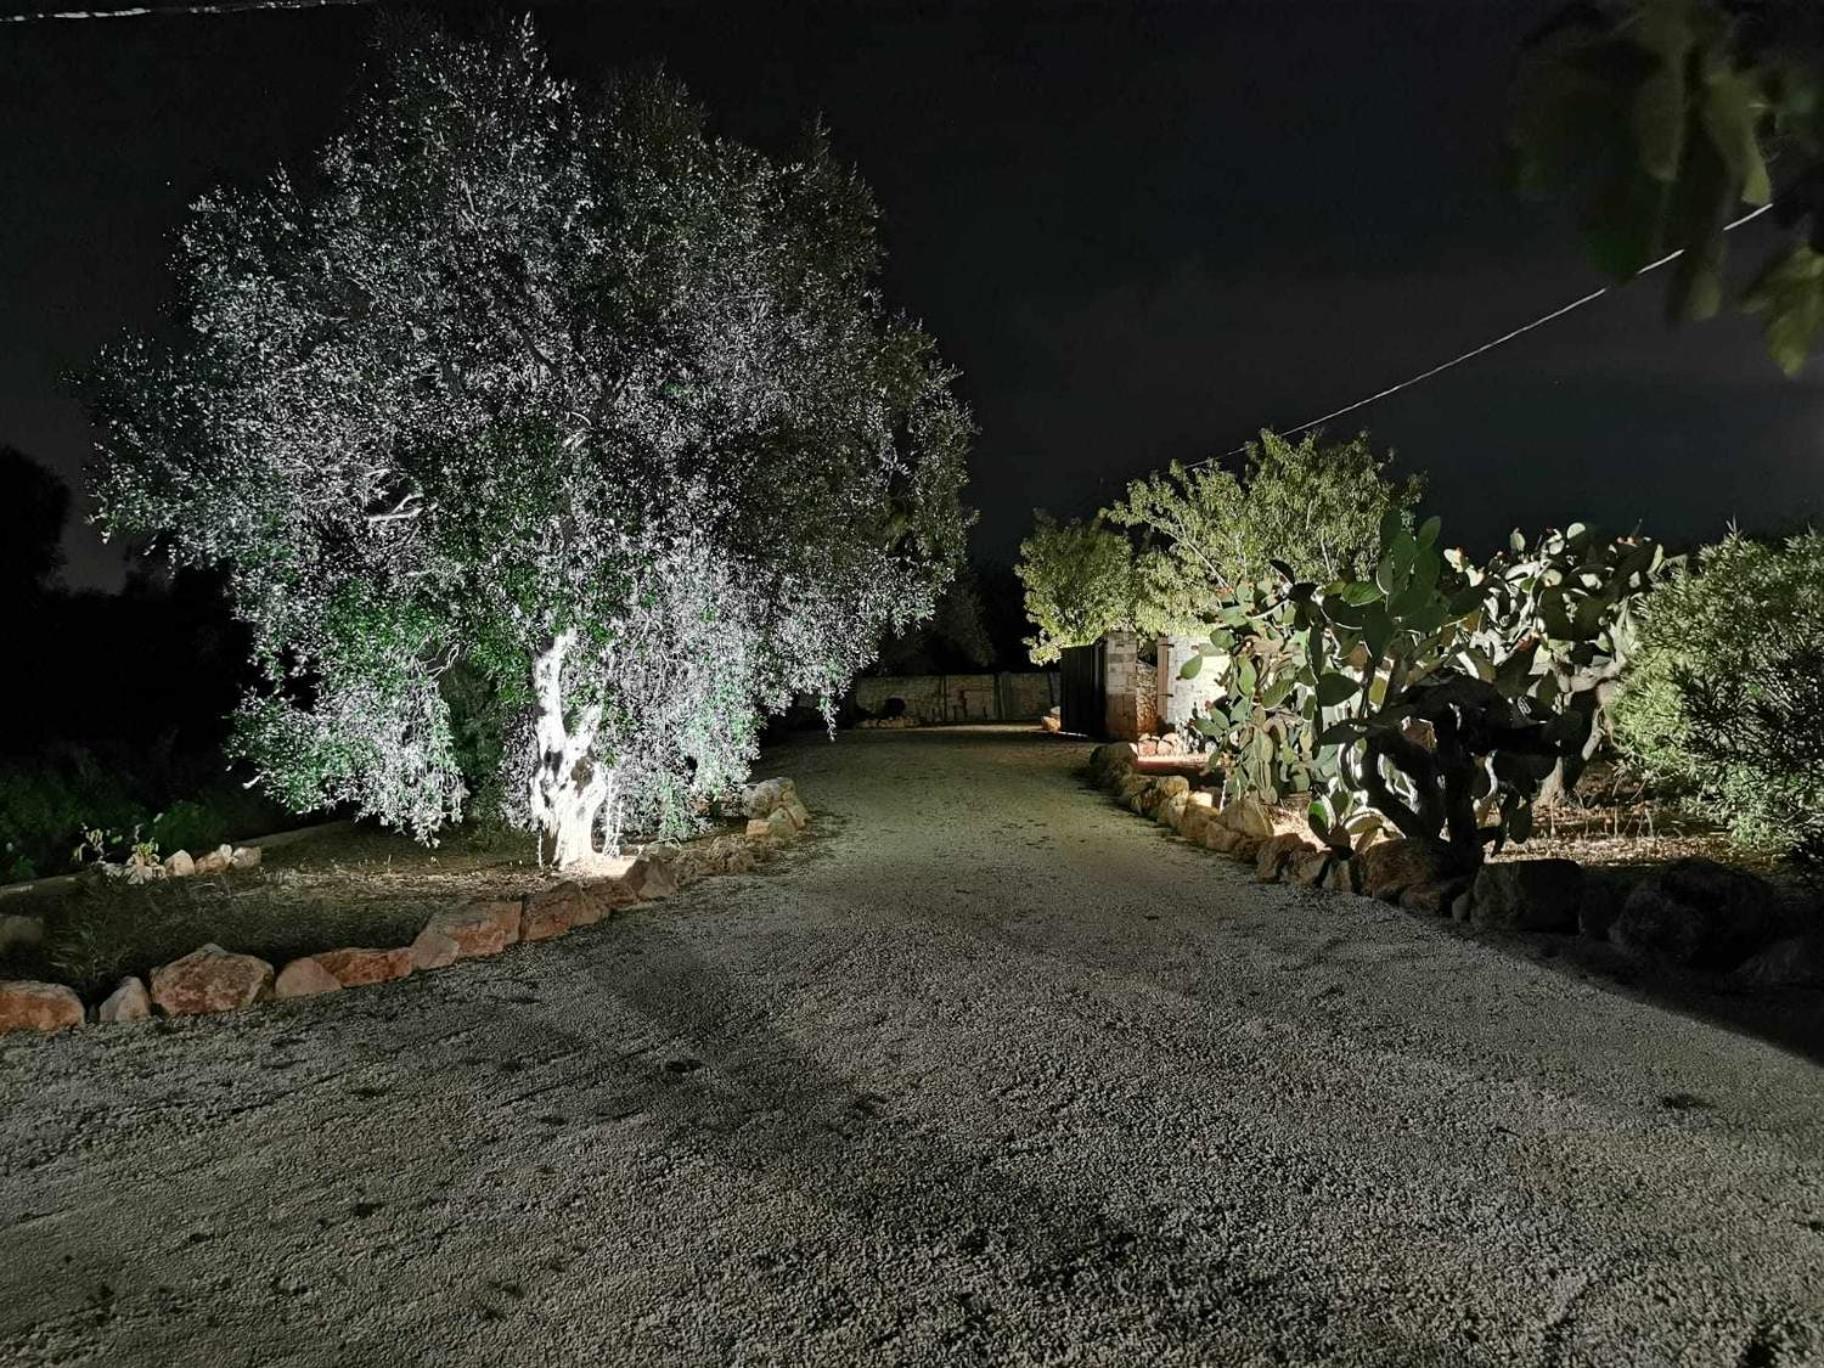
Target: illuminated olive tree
542,417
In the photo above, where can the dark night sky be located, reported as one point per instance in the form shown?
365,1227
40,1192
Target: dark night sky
1142,232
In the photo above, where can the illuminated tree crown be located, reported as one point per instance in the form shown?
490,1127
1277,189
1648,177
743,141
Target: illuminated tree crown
549,442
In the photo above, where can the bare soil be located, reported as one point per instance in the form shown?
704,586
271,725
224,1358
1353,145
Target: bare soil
989,1071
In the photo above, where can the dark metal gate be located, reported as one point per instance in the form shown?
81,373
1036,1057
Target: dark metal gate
1084,687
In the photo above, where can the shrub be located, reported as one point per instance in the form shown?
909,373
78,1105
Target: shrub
220,812
45,808
1726,700
49,803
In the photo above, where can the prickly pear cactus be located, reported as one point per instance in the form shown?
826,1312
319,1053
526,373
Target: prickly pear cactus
1266,746
1436,696
1571,601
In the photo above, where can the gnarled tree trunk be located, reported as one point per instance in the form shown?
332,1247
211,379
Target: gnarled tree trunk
570,787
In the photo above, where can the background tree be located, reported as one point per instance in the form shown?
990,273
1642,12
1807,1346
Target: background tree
32,514
550,405
1192,542
1079,581
1314,505
1002,597
91,748
1663,120
955,639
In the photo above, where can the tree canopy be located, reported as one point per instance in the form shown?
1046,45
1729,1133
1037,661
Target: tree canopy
1192,535
31,523
1314,505
956,638
1079,581
545,417
1664,120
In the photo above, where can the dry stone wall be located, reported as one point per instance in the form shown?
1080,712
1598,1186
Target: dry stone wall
1011,696
1691,916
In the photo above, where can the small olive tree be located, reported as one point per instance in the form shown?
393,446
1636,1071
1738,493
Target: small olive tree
1079,582
551,408
1204,531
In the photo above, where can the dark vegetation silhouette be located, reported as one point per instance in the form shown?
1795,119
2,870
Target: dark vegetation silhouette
978,628
1663,122
119,700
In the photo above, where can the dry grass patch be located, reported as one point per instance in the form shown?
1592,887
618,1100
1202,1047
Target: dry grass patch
346,886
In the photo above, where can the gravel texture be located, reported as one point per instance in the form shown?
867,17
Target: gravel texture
988,1072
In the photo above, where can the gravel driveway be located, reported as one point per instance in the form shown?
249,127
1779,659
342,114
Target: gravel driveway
990,1072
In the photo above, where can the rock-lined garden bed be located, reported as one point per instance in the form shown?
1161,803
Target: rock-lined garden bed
213,979
144,867
1692,915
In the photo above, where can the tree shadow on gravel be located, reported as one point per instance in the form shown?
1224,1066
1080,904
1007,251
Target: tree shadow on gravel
748,1097
1186,877
1792,1018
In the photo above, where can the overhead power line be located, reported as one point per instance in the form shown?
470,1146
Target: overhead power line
240,6
1488,346
153,11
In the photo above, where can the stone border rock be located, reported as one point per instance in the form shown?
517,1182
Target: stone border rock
211,979
1692,916
254,845
180,864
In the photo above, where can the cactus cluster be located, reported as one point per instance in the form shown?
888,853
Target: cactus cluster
1436,696
1260,721
1572,599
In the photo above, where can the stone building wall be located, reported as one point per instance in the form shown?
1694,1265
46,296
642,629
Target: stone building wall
1179,698
1131,685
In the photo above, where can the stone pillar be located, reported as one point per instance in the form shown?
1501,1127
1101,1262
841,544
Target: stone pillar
1180,699
1121,685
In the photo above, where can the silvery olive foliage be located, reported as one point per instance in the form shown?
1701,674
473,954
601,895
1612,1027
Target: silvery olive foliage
554,393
